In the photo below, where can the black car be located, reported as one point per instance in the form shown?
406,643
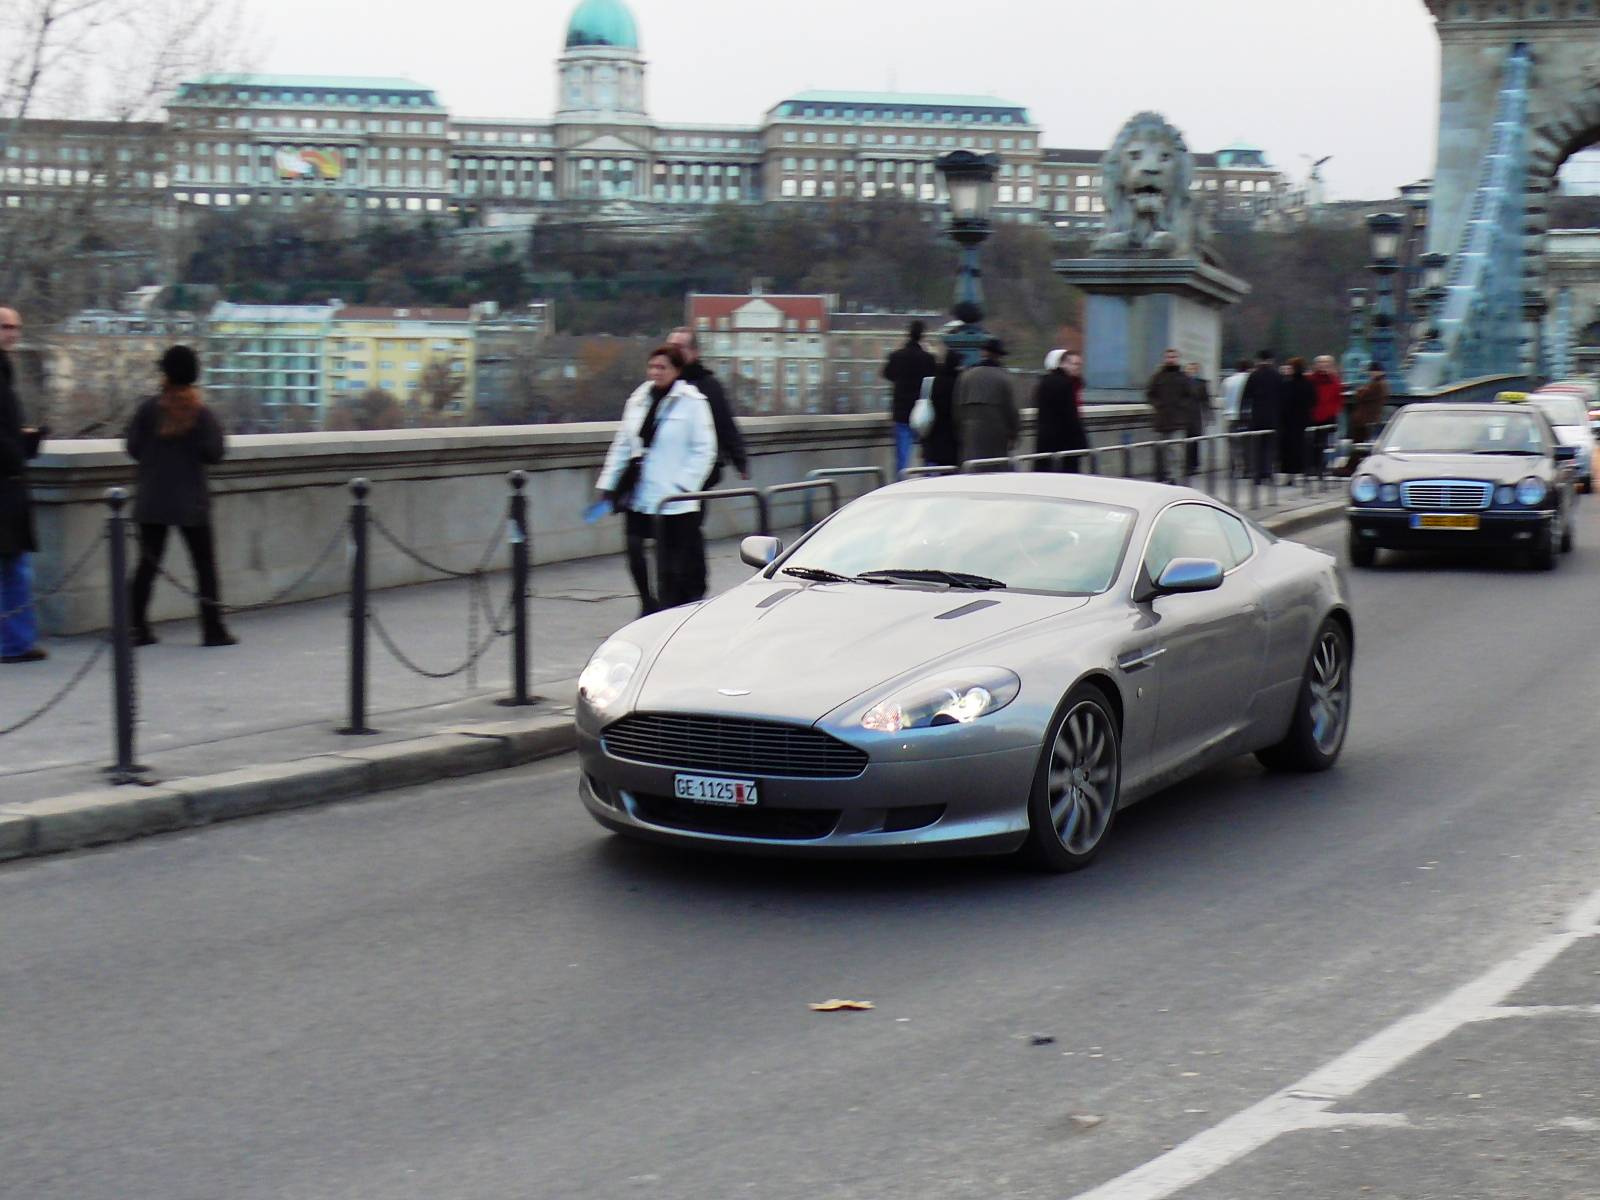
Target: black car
1444,476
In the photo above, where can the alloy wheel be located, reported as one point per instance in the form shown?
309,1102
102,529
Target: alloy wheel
1083,779
1329,688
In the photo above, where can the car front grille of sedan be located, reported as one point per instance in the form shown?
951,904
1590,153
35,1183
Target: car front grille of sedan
1454,494
729,746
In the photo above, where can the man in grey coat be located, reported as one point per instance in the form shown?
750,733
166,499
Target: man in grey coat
986,408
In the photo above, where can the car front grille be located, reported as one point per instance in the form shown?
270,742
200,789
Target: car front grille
1454,494
730,746
768,824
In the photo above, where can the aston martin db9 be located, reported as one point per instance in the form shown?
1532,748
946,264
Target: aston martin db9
973,664
1454,476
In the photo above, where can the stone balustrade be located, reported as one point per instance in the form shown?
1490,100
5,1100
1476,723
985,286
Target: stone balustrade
280,499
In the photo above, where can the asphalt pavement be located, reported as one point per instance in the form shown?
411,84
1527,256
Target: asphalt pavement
469,990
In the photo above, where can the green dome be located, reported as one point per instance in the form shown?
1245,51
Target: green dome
603,23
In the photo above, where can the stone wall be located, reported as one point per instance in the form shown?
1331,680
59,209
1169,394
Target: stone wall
280,499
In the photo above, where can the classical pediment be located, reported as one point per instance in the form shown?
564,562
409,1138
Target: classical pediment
607,144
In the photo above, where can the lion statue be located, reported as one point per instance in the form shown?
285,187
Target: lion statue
1146,177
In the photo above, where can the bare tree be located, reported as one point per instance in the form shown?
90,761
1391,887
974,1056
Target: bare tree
373,409
442,386
110,65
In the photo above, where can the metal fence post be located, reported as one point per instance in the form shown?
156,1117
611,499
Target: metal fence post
124,770
358,610
519,591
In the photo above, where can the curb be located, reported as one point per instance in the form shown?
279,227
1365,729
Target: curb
1300,519
107,815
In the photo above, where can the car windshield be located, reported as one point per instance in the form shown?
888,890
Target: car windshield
1562,410
1508,431
1026,543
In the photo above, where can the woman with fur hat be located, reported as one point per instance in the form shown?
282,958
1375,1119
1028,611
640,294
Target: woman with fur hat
174,437
1058,399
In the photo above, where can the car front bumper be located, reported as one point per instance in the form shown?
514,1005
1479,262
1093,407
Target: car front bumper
934,805
1392,528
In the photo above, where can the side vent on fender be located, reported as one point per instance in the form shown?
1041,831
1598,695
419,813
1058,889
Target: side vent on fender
966,610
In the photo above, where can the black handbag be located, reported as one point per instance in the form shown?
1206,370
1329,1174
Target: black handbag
627,482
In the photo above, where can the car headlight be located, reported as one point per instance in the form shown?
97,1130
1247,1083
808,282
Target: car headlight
608,674
952,698
1506,494
1364,489
1531,491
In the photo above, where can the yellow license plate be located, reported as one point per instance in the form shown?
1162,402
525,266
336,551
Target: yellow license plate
1447,521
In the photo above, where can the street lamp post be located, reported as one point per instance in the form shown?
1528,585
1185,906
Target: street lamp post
1385,229
1435,269
969,178
1358,354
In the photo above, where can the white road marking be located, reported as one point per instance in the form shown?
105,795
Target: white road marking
1303,1105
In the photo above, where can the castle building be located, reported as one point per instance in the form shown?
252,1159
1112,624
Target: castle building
392,145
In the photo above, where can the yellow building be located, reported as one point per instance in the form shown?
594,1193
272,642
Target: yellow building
265,362
423,357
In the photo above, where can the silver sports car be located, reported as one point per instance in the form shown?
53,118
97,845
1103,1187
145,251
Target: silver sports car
979,663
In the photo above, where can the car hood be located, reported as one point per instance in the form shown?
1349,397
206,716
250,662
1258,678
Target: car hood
1491,468
800,651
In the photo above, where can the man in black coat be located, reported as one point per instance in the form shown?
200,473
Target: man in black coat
906,369
730,449
19,623
1263,400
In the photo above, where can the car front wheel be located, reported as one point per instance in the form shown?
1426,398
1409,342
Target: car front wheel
1321,710
1075,789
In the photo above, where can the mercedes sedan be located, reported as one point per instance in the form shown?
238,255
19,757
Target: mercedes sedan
1453,476
973,664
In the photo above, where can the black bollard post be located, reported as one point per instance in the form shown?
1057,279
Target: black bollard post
358,610
520,550
125,770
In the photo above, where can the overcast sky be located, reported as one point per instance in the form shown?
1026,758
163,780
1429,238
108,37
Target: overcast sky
1355,79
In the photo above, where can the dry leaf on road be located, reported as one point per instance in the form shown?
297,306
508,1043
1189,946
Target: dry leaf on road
842,1006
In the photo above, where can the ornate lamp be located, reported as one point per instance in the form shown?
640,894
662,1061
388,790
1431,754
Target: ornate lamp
969,179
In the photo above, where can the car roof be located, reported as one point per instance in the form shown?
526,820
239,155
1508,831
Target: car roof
1142,495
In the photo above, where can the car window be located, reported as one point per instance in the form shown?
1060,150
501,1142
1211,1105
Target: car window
1506,429
1196,531
1028,543
1562,410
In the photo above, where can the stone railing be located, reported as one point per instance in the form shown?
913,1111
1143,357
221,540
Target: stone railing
279,500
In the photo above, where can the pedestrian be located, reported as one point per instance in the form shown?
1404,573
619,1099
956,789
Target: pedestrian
1367,405
1329,406
906,369
730,442
1199,415
173,438
986,408
1262,400
666,443
1294,414
1171,396
19,620
1058,399
1234,415
941,445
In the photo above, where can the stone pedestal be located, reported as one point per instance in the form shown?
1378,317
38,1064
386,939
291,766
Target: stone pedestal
1138,307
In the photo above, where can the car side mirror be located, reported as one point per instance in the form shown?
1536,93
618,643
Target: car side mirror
760,552
1186,575
1362,448
1566,453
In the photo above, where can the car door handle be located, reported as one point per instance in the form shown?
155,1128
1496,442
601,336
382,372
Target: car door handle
1139,659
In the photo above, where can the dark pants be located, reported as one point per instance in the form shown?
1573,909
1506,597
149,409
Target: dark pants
202,553
680,560
1265,451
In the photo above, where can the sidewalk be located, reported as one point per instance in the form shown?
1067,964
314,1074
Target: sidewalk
279,697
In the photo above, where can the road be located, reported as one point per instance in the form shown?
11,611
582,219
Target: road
470,991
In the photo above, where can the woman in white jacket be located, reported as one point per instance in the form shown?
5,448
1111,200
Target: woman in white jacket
668,431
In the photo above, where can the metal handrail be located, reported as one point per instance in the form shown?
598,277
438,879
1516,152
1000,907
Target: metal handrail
877,473
805,486
742,493
973,465
928,472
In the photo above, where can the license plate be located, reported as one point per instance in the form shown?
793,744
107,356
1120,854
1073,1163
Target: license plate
1445,521
729,793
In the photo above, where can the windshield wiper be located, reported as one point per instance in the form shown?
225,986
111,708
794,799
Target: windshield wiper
955,579
817,575
1508,450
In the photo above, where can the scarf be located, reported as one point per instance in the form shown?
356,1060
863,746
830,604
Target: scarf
180,409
